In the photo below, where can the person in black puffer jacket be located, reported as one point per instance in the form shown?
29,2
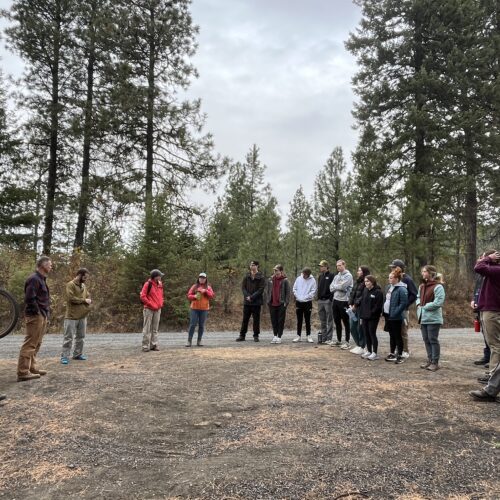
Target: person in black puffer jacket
354,302
370,310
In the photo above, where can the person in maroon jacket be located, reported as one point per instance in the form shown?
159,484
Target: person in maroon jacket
152,298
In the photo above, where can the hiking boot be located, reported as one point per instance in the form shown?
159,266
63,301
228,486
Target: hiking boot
482,395
188,343
155,348
484,380
481,361
29,376
426,365
39,372
240,339
297,339
391,357
433,367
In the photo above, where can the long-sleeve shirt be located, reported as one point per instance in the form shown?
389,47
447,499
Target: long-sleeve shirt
304,289
341,286
36,295
489,296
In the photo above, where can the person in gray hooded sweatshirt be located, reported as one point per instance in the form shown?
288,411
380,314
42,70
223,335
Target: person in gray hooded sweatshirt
341,288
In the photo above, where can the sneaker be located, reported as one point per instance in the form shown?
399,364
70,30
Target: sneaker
405,355
400,359
188,343
360,350
336,343
145,349
278,341
64,360
199,344
433,367
274,340
82,357
240,339
373,356
345,346
155,348
328,342
425,365
310,340
366,355
256,338
482,395
481,361
297,339
391,357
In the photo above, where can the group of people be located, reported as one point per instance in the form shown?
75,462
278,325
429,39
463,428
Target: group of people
353,305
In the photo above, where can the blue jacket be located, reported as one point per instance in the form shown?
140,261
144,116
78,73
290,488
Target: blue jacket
398,303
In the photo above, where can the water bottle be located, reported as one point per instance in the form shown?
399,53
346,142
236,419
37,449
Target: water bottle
477,325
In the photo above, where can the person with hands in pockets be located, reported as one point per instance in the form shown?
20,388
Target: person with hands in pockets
199,295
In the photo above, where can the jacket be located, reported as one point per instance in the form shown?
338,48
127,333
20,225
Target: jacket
411,288
284,292
304,290
432,311
36,295
371,303
200,302
324,281
397,296
357,291
341,286
154,299
253,287
76,294
489,297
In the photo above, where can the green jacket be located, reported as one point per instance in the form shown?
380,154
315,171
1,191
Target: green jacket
76,293
432,312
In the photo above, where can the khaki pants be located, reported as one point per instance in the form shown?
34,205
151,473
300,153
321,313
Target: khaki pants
36,327
404,331
491,329
150,328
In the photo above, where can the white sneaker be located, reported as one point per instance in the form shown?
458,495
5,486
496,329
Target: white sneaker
278,340
373,356
366,355
358,350
329,342
310,340
274,340
297,339
345,346
405,355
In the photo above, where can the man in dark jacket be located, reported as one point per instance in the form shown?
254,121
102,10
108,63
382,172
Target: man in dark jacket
325,298
252,287
412,297
37,300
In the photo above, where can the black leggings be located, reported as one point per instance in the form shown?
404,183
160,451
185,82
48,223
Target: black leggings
370,331
303,311
394,326
340,316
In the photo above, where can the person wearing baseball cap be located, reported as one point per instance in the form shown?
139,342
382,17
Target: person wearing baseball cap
325,298
412,297
152,298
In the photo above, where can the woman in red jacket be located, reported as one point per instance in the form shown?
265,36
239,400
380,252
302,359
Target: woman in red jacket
152,298
199,295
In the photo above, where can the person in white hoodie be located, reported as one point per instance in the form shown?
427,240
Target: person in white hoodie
304,290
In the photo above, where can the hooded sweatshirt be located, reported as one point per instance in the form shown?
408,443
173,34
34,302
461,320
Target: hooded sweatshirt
341,286
371,303
304,289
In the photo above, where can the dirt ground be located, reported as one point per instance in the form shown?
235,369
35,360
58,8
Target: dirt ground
247,421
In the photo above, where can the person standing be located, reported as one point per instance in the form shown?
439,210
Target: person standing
253,287
395,305
325,298
37,312
430,300
304,290
488,266
75,321
412,297
341,288
152,298
369,311
485,359
199,295
492,389
278,297
354,302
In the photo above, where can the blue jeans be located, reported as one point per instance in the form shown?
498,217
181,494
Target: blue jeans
357,331
197,317
430,333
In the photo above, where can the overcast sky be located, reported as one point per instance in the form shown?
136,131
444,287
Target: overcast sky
274,73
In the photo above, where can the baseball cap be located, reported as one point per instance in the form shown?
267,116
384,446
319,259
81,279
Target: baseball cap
397,263
202,275
155,273
324,263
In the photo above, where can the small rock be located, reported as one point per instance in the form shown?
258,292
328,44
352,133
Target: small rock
227,415
202,424
218,424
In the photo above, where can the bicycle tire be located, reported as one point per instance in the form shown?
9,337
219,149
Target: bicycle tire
13,312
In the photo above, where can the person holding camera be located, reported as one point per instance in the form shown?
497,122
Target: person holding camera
199,295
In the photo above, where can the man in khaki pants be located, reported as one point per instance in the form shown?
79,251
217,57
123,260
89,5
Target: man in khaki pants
152,298
37,300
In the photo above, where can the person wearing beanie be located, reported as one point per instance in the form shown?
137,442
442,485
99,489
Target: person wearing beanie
152,299
304,290
199,295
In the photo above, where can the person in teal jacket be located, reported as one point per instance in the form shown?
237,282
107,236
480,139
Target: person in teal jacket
430,300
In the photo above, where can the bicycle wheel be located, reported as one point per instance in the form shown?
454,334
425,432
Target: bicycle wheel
9,313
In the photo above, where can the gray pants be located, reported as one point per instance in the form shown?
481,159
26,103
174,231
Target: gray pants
150,328
430,334
325,313
73,328
493,387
